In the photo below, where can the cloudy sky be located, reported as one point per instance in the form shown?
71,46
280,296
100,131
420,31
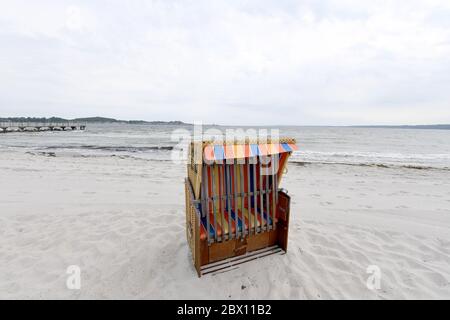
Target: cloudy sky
332,62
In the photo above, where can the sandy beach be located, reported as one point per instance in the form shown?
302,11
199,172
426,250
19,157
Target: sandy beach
121,220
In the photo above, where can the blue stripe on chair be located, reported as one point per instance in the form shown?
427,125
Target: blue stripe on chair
254,149
219,152
239,220
265,216
286,147
211,228
233,215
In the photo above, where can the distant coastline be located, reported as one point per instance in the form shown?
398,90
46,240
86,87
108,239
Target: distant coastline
179,123
424,126
90,120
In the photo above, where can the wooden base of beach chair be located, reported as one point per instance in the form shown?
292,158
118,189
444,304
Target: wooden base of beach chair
234,262
220,251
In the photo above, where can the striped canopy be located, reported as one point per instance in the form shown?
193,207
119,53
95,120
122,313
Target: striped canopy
217,152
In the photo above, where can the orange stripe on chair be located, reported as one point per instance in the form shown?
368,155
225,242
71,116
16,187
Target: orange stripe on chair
209,152
247,151
273,148
239,151
229,152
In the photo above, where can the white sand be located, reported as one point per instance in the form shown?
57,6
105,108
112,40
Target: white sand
122,222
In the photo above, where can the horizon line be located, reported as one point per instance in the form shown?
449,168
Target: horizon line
247,125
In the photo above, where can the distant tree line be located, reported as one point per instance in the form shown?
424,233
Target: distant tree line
89,120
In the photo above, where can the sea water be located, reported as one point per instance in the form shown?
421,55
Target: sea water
383,147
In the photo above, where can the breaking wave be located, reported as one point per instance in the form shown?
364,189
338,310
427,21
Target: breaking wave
372,159
132,149
375,165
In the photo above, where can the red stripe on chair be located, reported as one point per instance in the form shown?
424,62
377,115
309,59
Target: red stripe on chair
293,146
209,153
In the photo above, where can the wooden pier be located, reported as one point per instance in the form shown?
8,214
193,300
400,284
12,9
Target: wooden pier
40,126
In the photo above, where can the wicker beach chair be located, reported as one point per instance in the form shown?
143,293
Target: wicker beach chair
235,210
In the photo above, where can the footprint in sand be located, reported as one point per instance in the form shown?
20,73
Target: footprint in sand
126,230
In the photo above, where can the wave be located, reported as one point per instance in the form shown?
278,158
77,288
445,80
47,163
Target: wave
123,157
115,148
371,164
418,161
119,156
324,155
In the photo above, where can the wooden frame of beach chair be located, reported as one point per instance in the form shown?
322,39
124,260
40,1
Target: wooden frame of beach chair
235,210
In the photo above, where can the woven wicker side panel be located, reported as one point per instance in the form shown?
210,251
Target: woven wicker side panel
193,233
189,220
186,192
195,167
